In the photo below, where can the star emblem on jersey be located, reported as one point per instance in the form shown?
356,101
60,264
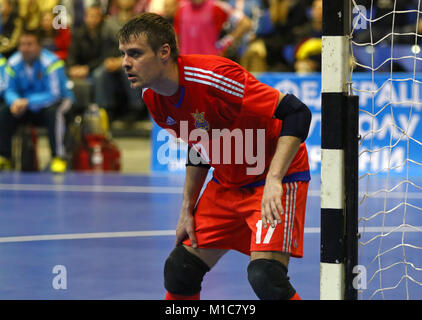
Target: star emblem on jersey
200,122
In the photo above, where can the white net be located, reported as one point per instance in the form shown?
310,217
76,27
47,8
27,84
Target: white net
385,43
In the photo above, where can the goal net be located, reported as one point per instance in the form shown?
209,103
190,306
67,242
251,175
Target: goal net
386,74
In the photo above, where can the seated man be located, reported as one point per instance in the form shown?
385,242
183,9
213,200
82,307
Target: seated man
3,61
3,163
36,92
85,55
112,89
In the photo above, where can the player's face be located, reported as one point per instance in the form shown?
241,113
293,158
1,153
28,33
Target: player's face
142,65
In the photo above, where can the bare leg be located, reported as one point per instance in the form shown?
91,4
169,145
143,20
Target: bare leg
273,255
209,256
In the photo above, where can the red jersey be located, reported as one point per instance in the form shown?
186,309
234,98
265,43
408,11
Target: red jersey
226,114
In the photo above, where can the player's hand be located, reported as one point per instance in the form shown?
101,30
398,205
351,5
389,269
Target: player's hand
271,207
186,226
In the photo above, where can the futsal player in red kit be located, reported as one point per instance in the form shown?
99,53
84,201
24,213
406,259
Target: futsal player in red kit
257,208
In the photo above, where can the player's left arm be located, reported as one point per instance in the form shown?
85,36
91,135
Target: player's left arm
296,118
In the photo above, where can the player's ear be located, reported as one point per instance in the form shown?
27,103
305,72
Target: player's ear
165,52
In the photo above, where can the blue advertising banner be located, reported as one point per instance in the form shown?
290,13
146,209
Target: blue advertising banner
390,111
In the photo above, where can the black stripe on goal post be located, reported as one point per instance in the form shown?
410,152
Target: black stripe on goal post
351,163
338,165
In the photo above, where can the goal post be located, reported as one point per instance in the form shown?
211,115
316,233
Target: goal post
371,150
339,157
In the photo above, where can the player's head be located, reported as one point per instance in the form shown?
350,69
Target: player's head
148,45
157,30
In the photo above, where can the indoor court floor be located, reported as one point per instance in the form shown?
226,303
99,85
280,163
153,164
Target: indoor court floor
106,236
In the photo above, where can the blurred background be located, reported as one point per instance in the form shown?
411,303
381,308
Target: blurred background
280,37
261,35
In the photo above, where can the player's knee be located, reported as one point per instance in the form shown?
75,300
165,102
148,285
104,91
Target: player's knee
269,280
183,272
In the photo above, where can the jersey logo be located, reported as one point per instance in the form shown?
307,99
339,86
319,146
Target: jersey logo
200,122
170,121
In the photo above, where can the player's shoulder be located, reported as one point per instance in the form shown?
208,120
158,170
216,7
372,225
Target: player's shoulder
221,77
152,99
207,61
215,65
146,93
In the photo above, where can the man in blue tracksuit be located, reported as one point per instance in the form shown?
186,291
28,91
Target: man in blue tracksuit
2,79
36,92
4,163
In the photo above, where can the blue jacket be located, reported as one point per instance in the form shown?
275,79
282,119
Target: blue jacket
2,75
43,85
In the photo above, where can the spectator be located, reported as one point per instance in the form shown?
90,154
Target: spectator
36,92
169,9
414,25
156,6
86,54
308,56
255,53
4,163
384,13
3,61
308,48
140,6
30,11
285,15
110,80
10,27
199,24
55,40
75,10
274,34
313,27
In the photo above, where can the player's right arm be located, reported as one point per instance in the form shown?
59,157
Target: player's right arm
194,180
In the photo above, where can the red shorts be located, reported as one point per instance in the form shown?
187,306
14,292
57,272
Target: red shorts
230,218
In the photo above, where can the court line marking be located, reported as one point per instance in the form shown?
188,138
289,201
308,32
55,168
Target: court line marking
152,189
90,235
91,188
158,233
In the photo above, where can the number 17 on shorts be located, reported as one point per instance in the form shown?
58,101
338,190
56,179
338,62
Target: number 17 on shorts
288,235
268,236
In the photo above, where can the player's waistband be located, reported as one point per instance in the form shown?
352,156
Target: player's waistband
296,176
